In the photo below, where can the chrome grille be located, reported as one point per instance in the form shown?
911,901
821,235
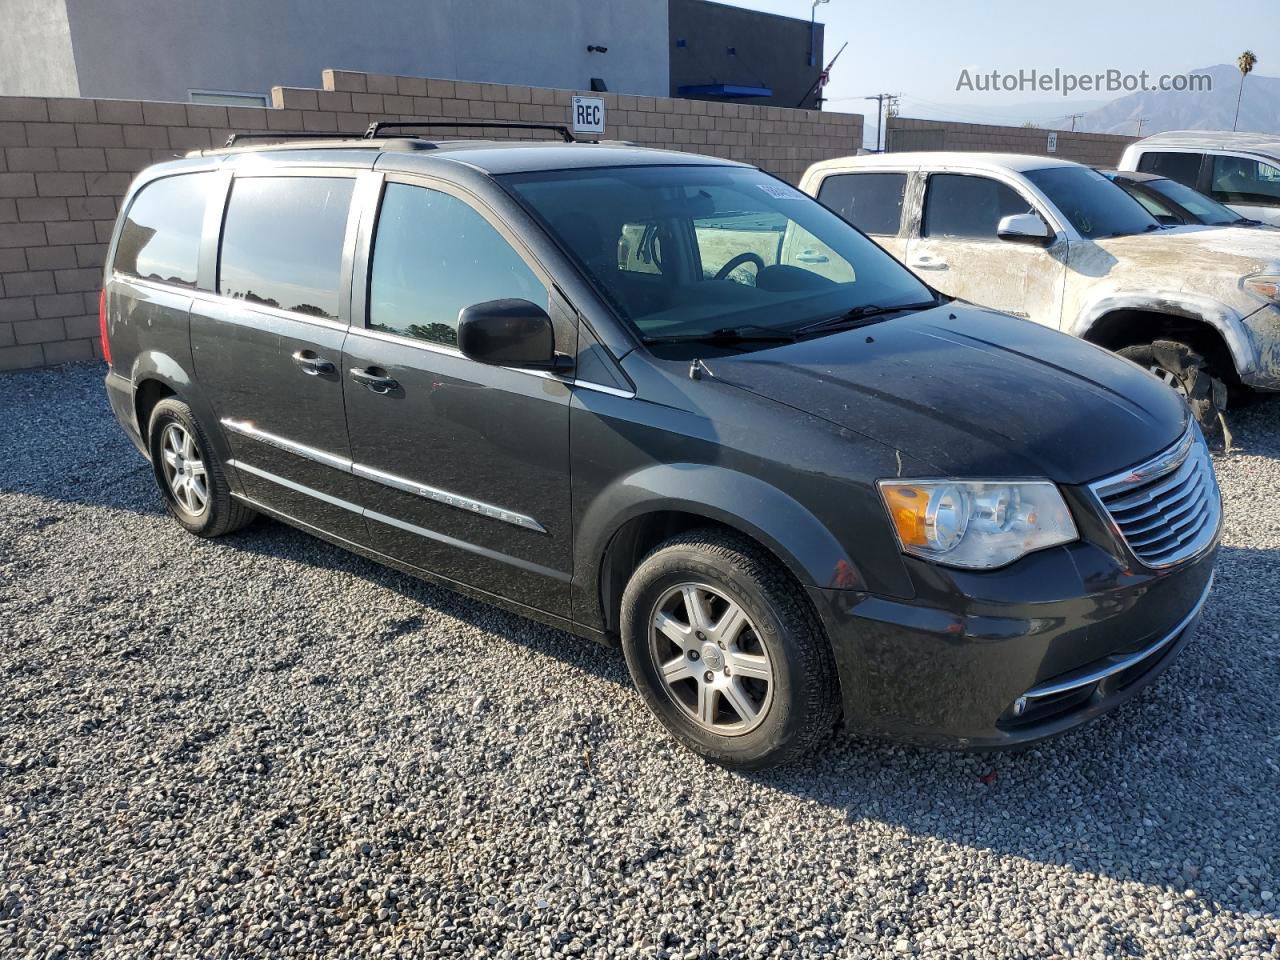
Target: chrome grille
1167,509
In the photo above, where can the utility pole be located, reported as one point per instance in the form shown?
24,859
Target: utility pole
1073,117
1141,121
813,16
881,112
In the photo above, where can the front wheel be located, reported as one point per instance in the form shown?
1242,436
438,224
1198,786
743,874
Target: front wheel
724,648
1187,373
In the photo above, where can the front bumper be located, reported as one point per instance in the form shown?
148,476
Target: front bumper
1007,657
1262,328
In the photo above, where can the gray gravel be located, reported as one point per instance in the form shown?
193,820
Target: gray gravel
263,746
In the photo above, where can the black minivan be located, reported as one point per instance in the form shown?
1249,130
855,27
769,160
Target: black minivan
666,401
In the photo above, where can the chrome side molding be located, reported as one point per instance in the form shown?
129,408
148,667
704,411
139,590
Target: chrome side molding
470,504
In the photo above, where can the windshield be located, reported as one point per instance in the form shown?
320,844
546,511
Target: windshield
689,251
1095,206
1201,207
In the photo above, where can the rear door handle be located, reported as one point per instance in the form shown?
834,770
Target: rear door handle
311,364
376,381
926,262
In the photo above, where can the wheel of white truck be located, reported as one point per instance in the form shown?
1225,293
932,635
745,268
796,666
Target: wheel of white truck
1186,371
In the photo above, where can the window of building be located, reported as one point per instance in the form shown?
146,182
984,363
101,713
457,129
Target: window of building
228,98
282,242
160,239
433,255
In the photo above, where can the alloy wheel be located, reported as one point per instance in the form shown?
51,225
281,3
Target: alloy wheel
712,659
184,469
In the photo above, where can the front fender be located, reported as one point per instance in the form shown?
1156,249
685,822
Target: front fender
736,500
1226,320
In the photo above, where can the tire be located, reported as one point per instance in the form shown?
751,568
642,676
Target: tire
194,488
795,709
1187,372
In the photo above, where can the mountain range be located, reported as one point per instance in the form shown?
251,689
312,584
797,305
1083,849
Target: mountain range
1200,110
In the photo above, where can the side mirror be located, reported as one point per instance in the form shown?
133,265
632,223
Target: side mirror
1169,220
1024,228
509,333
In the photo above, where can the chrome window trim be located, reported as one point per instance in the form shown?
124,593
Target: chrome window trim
246,429
1055,687
601,388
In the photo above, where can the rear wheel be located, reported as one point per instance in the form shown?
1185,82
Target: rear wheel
189,474
724,648
1187,373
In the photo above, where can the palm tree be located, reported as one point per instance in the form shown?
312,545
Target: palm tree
1246,62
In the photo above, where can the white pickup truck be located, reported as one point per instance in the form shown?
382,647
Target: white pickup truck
1058,243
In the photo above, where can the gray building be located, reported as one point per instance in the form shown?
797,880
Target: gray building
236,50
722,52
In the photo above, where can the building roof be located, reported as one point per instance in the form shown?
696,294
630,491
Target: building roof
1268,143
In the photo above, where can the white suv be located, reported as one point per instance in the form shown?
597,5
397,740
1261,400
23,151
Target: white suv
1058,243
1241,170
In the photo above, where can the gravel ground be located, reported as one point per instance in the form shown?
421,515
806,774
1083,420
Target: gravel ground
263,746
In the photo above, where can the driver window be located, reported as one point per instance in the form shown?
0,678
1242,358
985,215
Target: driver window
1246,181
963,206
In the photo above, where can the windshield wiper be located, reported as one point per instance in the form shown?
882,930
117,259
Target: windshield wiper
746,334
858,316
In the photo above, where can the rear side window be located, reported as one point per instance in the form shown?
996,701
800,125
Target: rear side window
282,242
956,205
433,255
1183,167
872,202
160,239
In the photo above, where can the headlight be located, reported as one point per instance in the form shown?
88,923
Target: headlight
976,524
1266,286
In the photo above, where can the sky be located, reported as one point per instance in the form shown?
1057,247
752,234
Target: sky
919,49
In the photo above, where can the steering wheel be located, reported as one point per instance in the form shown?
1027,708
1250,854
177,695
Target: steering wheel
739,260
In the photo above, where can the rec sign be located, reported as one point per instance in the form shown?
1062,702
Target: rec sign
588,114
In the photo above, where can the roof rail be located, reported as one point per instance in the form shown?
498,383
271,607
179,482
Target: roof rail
376,128
236,138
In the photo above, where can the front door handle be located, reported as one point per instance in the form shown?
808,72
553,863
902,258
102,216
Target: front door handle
374,379
311,364
926,262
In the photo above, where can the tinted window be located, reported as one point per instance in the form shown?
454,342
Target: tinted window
1183,167
432,256
282,242
872,202
964,206
1095,206
1150,203
1242,180
1204,209
797,261
160,239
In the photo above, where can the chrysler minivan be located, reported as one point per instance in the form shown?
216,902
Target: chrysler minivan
667,402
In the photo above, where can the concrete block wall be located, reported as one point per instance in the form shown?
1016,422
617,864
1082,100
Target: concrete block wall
1094,149
66,162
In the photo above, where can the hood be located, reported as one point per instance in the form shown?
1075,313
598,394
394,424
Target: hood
1194,258
973,392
